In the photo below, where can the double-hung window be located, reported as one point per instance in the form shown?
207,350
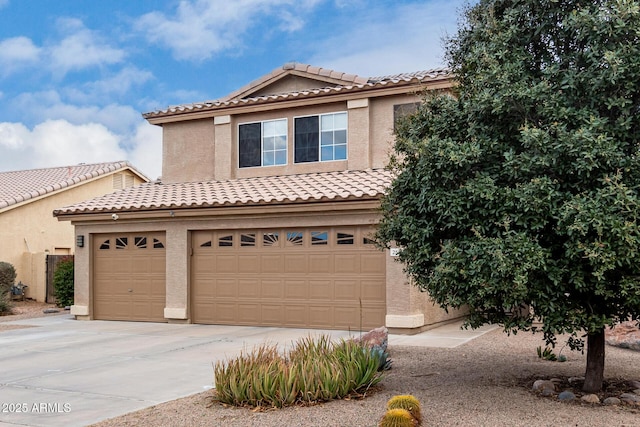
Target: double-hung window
321,138
262,143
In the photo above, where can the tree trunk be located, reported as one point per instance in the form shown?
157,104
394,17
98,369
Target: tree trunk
595,362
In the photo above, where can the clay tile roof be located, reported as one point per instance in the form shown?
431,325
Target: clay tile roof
339,82
312,187
20,186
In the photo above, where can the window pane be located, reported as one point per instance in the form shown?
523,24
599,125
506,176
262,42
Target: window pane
268,143
327,122
340,152
281,157
327,153
327,138
267,159
268,129
280,142
319,238
340,137
280,127
306,141
340,121
249,145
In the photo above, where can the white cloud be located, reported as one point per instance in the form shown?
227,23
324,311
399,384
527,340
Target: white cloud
60,143
202,28
17,52
116,85
4,3
146,151
42,106
391,40
81,48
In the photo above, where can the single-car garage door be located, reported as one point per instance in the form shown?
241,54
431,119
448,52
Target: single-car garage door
129,276
330,278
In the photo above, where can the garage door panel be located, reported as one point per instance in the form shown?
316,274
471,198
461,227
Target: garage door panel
271,264
296,289
373,290
248,264
226,264
249,313
248,288
318,278
296,315
295,263
272,314
320,290
320,263
222,288
371,264
347,289
347,263
272,288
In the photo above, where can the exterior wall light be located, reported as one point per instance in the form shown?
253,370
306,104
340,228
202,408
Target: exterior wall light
80,240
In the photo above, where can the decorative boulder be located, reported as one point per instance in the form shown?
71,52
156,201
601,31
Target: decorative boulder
625,335
376,339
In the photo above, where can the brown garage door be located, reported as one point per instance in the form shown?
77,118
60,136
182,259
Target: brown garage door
129,276
330,278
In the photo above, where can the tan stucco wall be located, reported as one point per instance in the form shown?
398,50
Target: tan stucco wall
206,149
188,151
29,232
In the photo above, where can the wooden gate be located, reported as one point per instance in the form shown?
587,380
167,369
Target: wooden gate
52,264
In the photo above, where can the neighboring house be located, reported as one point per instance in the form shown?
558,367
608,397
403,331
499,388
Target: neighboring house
28,230
264,216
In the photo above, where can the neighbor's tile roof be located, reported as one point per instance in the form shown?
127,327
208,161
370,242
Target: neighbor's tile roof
323,186
348,83
19,186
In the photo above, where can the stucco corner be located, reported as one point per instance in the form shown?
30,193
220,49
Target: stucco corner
80,310
175,313
408,321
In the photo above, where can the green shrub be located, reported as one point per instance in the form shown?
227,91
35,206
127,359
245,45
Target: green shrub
315,370
408,403
5,304
7,278
63,282
397,418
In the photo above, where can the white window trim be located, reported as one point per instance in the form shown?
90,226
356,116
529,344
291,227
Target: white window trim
319,137
262,143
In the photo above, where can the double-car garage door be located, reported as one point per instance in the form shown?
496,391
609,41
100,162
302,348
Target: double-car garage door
313,278
330,277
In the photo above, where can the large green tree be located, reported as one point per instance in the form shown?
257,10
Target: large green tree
518,197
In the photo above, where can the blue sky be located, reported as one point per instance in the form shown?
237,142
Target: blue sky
75,75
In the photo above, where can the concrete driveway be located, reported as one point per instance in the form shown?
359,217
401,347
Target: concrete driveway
63,372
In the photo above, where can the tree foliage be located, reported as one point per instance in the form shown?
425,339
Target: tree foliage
522,189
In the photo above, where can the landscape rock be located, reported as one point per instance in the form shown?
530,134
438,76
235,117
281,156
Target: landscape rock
376,339
566,395
637,391
624,335
50,310
630,398
543,385
634,384
547,392
612,401
590,398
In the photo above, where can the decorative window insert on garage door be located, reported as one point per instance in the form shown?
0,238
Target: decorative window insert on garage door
129,276
330,277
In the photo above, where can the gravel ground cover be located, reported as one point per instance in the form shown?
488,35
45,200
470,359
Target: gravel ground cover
485,382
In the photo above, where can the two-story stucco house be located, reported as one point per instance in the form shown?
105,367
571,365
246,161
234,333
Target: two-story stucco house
28,231
264,214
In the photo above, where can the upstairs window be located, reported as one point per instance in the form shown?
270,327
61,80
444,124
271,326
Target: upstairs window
321,138
262,143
